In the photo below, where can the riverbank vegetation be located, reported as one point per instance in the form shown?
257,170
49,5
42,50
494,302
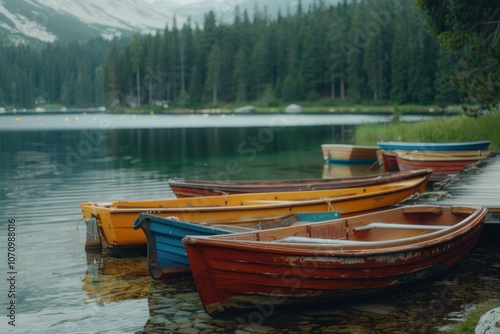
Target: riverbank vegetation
468,325
446,129
326,106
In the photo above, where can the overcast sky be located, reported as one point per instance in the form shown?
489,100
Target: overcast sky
180,1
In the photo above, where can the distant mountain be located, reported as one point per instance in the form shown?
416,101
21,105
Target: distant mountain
225,9
51,20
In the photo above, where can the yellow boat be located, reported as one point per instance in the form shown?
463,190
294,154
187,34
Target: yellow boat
110,225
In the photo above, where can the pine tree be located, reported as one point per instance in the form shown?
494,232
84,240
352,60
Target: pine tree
400,58
353,50
136,62
110,78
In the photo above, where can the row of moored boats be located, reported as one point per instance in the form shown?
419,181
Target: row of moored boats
444,158
249,244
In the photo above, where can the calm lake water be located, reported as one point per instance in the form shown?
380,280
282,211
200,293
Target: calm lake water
49,165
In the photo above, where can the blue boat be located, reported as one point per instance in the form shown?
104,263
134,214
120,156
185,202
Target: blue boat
166,254
420,146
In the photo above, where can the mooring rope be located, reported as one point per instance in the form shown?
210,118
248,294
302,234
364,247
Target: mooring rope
329,202
78,224
93,208
225,194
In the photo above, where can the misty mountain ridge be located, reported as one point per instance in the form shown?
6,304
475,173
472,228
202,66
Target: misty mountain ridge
46,21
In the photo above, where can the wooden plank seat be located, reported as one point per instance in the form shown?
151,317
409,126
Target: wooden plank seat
321,241
400,226
375,225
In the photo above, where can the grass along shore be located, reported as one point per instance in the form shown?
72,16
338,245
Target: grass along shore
447,129
470,321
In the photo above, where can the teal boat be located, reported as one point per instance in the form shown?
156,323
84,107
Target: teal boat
421,146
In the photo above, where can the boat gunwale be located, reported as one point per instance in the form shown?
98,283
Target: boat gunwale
441,156
299,249
295,203
406,145
375,178
349,146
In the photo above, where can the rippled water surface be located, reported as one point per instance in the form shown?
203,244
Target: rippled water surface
59,288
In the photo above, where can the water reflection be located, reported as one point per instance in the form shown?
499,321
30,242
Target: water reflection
111,279
344,170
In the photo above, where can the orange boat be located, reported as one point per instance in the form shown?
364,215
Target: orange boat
329,261
111,224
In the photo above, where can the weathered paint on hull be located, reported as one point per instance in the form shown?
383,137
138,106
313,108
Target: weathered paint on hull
441,169
240,277
166,253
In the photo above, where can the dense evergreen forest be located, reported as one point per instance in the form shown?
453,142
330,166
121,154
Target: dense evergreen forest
375,51
359,51
70,74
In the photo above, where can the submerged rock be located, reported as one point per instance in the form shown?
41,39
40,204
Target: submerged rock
489,322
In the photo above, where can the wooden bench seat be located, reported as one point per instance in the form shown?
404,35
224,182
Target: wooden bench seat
400,226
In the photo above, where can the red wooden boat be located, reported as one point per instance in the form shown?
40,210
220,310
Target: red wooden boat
331,260
443,164
194,188
390,161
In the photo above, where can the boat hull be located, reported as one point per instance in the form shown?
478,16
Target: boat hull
114,220
443,164
166,253
390,160
235,276
333,179
349,154
422,146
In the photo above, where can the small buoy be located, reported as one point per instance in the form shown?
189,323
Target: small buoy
40,119
206,115
133,115
192,116
152,113
66,119
222,116
84,113
94,119
18,120
76,119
